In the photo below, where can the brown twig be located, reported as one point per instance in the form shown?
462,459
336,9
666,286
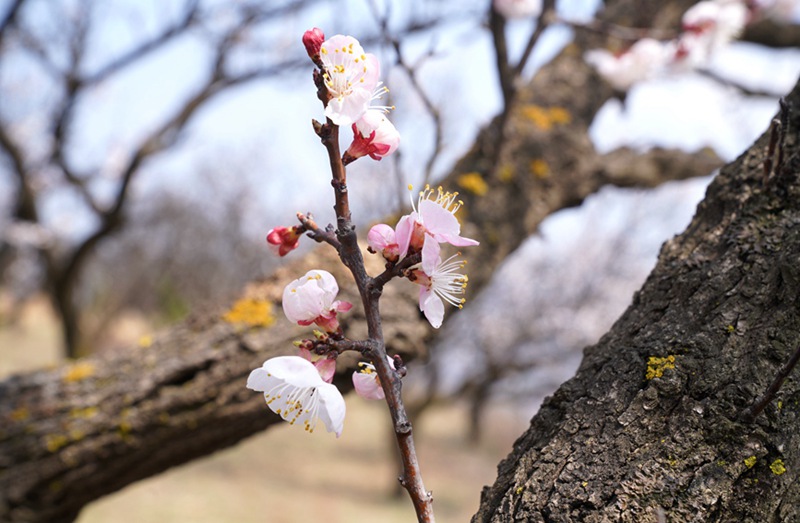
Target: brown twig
777,134
751,413
374,346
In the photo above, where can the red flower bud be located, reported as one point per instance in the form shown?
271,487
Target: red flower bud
313,39
284,239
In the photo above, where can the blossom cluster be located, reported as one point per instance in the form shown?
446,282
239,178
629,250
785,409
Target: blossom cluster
299,388
431,223
351,77
707,27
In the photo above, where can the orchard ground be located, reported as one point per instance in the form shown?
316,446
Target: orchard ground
285,475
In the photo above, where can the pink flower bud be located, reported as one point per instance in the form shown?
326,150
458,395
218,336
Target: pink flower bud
373,135
312,40
381,239
283,240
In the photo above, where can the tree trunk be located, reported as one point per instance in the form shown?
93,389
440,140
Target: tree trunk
652,420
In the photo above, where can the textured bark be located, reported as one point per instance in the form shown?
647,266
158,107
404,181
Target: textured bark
75,433
614,444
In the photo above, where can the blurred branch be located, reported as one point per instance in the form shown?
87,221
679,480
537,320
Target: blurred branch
747,91
411,72
8,20
771,34
144,49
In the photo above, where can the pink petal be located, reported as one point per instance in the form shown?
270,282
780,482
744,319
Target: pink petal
367,385
404,231
430,255
432,306
326,368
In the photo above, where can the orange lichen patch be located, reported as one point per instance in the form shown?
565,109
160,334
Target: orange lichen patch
79,371
252,312
506,173
146,341
473,182
540,168
546,117
656,366
20,414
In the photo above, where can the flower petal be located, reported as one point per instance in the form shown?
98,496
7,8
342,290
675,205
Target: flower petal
367,385
432,306
430,255
334,409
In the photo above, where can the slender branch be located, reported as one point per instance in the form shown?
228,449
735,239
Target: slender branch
411,73
751,413
548,11
350,254
619,32
8,20
497,27
315,233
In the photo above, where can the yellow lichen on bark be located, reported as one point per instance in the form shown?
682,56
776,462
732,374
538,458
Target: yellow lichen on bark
251,312
656,366
79,371
777,467
540,168
473,182
546,117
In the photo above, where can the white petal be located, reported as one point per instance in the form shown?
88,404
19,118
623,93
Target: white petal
259,380
294,370
333,408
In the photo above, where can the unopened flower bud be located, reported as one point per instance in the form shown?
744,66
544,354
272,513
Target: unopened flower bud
283,240
312,40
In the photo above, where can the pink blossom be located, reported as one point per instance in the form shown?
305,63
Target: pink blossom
373,135
518,8
644,60
440,282
432,219
283,240
709,26
351,76
294,390
381,239
312,299
312,40
366,381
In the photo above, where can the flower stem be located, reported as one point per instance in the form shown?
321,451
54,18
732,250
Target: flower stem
370,291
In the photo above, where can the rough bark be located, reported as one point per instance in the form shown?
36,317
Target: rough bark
75,433
617,444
